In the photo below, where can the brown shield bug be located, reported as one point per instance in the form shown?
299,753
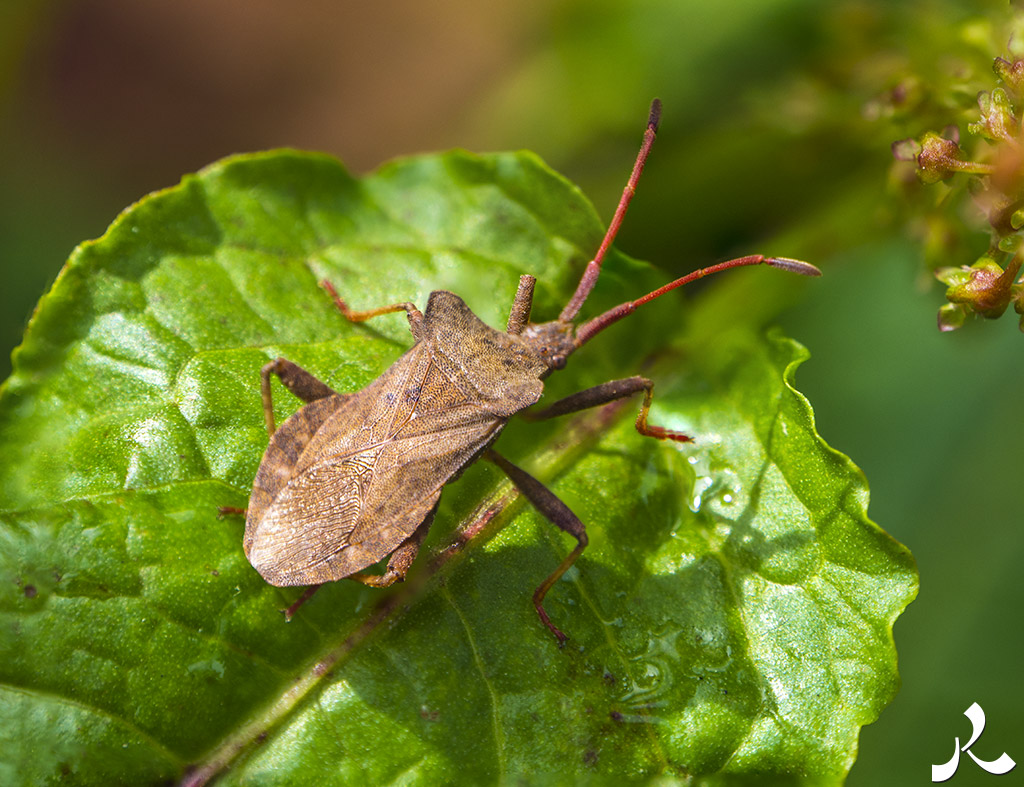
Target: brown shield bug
352,478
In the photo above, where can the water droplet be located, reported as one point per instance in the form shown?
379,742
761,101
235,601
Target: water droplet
650,677
211,666
700,486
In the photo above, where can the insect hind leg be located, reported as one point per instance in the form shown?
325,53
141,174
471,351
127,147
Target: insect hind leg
307,594
398,566
401,559
297,380
556,512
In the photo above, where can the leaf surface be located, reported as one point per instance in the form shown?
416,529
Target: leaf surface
731,618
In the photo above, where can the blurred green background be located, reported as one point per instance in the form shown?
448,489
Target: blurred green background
775,138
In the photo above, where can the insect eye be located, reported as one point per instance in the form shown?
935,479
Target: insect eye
558,362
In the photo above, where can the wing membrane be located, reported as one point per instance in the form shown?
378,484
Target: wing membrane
371,474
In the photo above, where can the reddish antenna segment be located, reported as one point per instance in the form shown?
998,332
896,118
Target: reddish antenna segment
593,269
591,328
589,278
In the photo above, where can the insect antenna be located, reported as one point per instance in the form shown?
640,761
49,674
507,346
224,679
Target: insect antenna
593,269
589,329
589,278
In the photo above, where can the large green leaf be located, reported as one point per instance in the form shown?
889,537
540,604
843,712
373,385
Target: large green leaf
731,618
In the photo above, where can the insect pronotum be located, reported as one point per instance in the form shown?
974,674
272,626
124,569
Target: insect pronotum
352,478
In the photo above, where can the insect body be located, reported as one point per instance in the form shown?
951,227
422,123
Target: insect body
347,479
352,478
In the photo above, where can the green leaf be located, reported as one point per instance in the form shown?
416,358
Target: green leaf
731,618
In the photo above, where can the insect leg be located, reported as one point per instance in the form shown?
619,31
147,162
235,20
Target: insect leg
307,594
401,559
296,379
610,392
301,383
415,315
556,512
398,566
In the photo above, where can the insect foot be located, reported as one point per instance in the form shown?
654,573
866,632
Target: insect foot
352,478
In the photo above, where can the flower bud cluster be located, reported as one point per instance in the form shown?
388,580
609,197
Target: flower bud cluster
995,173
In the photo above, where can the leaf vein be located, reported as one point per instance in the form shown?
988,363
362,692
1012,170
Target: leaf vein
60,699
499,739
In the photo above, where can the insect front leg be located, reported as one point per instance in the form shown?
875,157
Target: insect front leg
610,392
556,512
415,315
